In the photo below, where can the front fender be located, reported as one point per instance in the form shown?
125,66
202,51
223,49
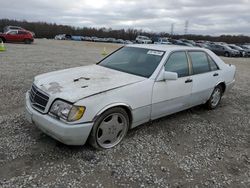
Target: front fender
111,106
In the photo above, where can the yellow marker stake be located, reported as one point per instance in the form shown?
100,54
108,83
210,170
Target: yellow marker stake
2,47
104,53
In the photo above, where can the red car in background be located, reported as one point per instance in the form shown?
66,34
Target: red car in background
17,36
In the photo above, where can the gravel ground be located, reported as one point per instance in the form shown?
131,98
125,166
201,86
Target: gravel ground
193,148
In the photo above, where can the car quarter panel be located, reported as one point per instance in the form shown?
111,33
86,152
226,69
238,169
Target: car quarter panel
227,71
203,86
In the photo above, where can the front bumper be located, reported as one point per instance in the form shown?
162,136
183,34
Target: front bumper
67,134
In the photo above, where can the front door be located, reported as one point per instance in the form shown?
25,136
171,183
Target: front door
171,96
12,36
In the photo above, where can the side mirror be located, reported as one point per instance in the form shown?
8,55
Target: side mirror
165,75
170,75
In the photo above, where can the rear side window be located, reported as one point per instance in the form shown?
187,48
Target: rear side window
22,32
213,65
178,63
199,62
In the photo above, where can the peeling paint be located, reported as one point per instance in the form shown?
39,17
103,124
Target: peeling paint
77,83
81,78
53,88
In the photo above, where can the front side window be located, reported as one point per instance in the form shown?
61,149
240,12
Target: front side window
137,61
12,32
178,63
199,62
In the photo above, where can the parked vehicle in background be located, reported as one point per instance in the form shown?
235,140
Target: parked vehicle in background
180,43
63,37
128,42
17,36
9,28
241,50
162,41
86,38
60,37
112,40
224,50
121,41
247,50
76,38
143,40
203,45
134,85
188,41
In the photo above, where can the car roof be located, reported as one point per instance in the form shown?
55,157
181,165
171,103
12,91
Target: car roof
162,47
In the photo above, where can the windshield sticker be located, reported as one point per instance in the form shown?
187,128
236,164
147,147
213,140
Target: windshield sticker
152,52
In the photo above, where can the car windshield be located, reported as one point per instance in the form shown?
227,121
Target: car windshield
137,61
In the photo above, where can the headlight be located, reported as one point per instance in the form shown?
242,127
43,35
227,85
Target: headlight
67,111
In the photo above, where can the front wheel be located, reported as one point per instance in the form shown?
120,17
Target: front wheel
227,54
109,129
215,98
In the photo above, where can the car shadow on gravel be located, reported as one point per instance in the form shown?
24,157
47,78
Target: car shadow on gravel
197,110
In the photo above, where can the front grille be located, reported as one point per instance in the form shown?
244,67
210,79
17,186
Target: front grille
38,99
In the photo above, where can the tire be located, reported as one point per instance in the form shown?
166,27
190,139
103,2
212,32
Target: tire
227,54
215,98
27,41
109,129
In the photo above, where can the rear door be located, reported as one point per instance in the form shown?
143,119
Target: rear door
22,35
205,76
171,96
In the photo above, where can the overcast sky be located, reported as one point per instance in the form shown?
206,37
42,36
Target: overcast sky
212,17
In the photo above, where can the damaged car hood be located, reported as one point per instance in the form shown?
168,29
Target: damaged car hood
80,82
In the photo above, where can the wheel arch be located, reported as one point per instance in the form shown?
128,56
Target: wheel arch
27,39
223,85
125,106
3,39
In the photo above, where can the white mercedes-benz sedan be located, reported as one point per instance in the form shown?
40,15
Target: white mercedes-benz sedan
135,84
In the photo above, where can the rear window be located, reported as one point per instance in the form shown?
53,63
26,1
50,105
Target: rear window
213,65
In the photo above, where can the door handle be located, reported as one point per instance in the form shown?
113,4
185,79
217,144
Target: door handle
188,80
216,74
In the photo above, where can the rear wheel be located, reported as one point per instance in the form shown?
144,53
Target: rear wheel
27,41
215,98
226,54
109,129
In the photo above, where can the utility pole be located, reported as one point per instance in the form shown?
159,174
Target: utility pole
172,29
186,27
